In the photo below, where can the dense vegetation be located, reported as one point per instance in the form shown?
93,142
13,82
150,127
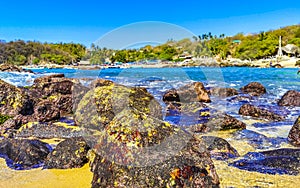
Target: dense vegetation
242,46
20,52
250,46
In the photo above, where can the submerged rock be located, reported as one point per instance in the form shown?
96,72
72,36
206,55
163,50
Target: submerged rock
70,153
259,141
194,92
253,111
254,89
223,92
24,154
219,148
290,98
280,161
294,134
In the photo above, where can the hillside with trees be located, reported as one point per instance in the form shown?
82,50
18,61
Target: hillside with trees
242,46
24,53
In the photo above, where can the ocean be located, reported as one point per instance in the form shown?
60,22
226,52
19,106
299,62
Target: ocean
159,80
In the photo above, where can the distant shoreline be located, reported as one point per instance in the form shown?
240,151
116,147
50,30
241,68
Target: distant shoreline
263,63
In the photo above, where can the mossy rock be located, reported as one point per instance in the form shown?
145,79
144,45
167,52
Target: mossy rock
14,101
137,150
70,153
100,105
190,167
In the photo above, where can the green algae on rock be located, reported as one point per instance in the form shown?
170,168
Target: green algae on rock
100,105
13,100
191,166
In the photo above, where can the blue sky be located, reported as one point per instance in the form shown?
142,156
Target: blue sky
84,21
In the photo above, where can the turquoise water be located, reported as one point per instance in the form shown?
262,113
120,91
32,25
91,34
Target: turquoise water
158,80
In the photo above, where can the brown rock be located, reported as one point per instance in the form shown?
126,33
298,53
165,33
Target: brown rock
294,134
70,153
14,101
254,89
223,92
194,92
12,68
290,98
253,111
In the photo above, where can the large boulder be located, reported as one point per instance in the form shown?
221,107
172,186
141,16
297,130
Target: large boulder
70,153
254,111
193,92
14,101
294,134
141,151
223,92
107,101
24,154
290,98
55,90
254,89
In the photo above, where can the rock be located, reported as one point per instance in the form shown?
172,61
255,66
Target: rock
45,111
223,92
222,121
141,151
134,147
79,91
52,85
14,101
52,97
45,79
194,92
290,98
294,134
70,153
12,68
171,96
24,154
107,101
280,161
253,111
219,148
47,130
100,83
254,89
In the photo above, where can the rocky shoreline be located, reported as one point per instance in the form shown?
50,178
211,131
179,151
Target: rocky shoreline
112,126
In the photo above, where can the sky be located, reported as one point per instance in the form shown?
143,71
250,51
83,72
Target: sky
87,21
